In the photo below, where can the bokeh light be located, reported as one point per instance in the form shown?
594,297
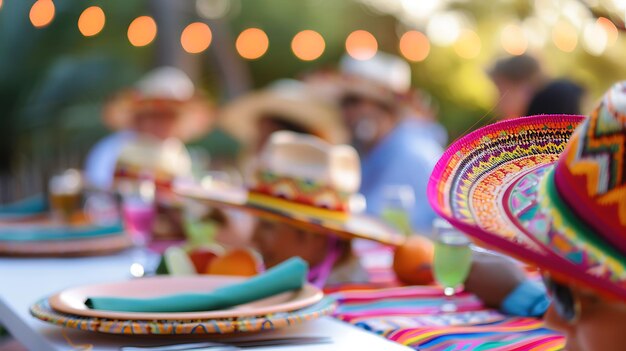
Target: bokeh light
468,44
595,38
0,4
514,39
444,28
91,21
252,43
196,37
42,13
308,45
610,29
564,36
361,45
414,46
142,31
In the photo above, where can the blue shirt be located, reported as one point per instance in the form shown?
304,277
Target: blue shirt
406,156
102,158
529,299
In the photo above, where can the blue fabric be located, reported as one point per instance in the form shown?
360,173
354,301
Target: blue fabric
406,156
101,160
529,299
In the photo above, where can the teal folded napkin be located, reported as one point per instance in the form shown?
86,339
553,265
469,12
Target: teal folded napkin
287,276
31,232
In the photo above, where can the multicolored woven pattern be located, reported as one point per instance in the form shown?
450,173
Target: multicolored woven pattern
411,315
42,311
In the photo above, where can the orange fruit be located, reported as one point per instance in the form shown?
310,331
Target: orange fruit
242,262
413,261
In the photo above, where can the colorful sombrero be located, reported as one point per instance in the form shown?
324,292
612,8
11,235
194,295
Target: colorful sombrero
549,189
304,181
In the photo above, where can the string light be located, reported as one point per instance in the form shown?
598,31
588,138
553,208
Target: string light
610,29
468,44
564,36
196,37
414,46
361,45
252,43
142,31
308,45
42,13
91,21
514,40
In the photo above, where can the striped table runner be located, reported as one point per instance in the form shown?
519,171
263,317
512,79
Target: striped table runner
412,316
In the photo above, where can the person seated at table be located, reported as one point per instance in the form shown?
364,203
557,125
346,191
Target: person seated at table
379,111
579,217
152,120
284,105
304,194
518,79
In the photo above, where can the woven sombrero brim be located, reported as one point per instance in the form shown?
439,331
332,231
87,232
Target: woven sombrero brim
240,118
355,226
486,185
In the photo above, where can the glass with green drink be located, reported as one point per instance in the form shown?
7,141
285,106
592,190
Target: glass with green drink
452,261
398,203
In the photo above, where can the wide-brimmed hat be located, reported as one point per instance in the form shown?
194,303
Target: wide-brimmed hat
159,161
163,88
548,189
288,99
304,181
383,77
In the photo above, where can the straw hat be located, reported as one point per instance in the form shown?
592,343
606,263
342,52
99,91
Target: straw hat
383,77
288,99
547,189
304,181
163,88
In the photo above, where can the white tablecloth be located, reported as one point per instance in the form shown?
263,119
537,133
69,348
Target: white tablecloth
24,281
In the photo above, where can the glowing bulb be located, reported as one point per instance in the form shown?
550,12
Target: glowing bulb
468,44
42,13
196,37
308,45
361,45
564,36
91,21
414,46
514,40
610,29
595,38
252,43
142,31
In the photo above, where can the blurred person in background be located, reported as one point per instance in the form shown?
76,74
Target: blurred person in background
284,105
560,96
152,120
376,108
163,104
517,79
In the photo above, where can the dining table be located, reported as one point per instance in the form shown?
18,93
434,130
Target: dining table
24,281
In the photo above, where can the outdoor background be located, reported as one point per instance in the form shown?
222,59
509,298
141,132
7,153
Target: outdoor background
54,80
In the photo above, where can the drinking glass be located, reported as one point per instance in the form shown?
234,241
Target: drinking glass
398,203
139,209
65,194
452,261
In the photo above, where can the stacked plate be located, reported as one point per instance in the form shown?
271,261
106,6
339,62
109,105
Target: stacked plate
39,235
68,308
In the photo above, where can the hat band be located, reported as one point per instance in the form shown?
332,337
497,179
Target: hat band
302,191
284,206
567,231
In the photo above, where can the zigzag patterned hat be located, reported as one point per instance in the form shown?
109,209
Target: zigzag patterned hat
550,190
